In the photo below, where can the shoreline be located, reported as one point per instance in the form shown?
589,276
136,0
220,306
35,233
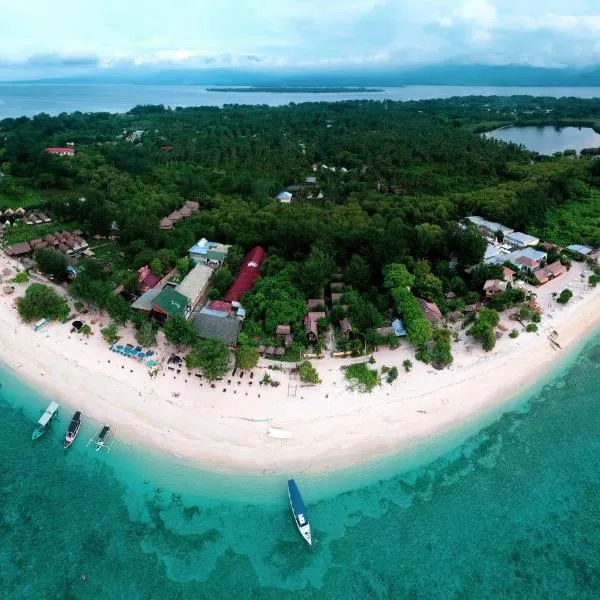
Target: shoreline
224,430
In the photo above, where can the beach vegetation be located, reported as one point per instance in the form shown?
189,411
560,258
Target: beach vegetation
85,330
79,306
531,328
308,373
246,358
407,364
211,357
419,329
51,262
118,309
145,333
397,276
441,355
564,296
111,333
41,301
179,331
513,334
594,278
392,375
483,328
21,277
423,354
511,297
361,378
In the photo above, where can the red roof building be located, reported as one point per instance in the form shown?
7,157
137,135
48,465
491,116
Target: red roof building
219,306
146,279
248,274
61,151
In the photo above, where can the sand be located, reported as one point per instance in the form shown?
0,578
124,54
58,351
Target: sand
225,428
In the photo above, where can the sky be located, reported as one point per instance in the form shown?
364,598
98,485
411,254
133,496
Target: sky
49,38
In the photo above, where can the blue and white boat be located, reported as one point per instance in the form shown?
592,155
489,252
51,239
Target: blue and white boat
299,511
45,420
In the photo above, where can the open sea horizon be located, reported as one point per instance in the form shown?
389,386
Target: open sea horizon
506,507
28,99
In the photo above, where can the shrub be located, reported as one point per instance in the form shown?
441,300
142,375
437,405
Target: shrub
513,334
407,364
308,374
41,301
361,378
85,330
531,328
246,357
423,355
110,333
392,375
564,296
22,277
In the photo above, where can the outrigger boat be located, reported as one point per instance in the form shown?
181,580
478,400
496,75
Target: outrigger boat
104,438
45,420
299,511
73,429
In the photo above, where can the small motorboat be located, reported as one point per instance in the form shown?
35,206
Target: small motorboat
299,511
73,429
45,420
103,437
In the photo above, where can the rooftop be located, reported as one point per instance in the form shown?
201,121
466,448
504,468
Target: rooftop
195,281
225,329
171,302
583,250
145,301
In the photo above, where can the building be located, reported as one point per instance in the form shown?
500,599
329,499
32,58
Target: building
316,303
549,272
175,216
18,250
219,306
579,249
193,205
430,311
489,228
336,297
248,274
208,252
217,325
145,302
61,151
284,197
169,302
196,284
493,287
345,327
311,180
520,240
166,224
311,321
147,279
283,330
528,259
508,274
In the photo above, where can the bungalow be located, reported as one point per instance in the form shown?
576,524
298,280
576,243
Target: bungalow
193,205
551,271
169,302
508,274
61,151
311,325
337,286
175,216
311,180
397,328
17,250
315,303
283,330
493,287
520,240
185,212
146,279
166,223
345,327
579,249
336,297
430,311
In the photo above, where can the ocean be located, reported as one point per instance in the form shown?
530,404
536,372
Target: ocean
505,509
28,99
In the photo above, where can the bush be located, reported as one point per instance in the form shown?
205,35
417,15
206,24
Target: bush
362,379
564,296
392,375
22,277
41,301
308,374
211,356
246,357
513,334
145,334
51,263
85,330
423,355
110,333
531,328
407,364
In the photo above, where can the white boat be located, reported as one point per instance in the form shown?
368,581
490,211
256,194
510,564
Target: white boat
279,434
45,420
299,511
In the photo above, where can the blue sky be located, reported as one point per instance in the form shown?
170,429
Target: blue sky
46,38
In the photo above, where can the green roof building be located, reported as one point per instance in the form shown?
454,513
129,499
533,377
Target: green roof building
170,303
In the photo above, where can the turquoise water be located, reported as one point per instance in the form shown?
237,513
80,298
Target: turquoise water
512,512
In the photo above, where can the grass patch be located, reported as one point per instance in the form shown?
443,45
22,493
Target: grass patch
30,199
361,378
24,233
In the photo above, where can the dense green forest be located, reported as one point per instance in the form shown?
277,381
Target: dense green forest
394,179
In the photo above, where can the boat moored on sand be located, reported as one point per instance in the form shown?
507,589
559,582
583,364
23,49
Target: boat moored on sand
73,429
45,420
299,511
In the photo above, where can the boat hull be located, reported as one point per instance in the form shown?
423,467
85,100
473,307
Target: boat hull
73,430
299,512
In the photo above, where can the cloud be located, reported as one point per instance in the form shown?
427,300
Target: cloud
80,34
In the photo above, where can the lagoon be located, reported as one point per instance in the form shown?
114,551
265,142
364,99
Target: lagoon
548,139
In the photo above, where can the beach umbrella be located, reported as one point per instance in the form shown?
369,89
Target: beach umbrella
77,325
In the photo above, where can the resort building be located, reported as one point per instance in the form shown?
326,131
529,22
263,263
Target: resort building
61,151
145,302
248,274
169,302
146,279
493,287
316,304
520,240
18,250
166,224
211,253
196,284
397,328
311,321
549,272
489,228
579,249
508,274
284,197
217,325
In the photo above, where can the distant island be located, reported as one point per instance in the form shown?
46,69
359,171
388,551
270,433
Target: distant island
276,89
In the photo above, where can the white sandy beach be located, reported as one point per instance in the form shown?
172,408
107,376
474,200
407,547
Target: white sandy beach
226,427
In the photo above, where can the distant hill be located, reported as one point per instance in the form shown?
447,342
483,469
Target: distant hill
445,74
